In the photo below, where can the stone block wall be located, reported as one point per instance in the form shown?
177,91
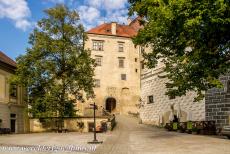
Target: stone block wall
217,103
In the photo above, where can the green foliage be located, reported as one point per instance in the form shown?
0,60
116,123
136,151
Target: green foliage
56,68
191,37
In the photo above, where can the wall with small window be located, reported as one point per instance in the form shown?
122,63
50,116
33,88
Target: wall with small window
123,77
150,99
118,67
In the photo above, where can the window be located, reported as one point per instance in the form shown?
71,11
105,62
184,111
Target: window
98,60
228,86
13,90
142,65
142,49
98,45
121,61
135,59
150,99
136,70
97,83
123,76
12,115
121,47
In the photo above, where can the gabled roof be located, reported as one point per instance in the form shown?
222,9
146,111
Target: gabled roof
7,60
121,30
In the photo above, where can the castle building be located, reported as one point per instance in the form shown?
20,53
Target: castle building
158,109
117,72
12,107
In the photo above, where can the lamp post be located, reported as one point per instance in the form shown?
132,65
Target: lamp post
95,141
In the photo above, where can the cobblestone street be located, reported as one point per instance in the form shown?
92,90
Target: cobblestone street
128,137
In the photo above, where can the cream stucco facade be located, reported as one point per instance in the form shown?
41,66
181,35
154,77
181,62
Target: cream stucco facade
118,82
12,108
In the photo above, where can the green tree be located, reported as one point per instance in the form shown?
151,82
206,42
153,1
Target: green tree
191,37
56,68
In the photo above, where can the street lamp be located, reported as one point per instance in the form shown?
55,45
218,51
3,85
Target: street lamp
95,141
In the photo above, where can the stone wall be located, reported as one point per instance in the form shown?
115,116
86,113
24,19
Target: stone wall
125,92
159,111
217,103
71,124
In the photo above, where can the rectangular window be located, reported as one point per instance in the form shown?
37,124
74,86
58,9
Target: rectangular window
142,65
13,90
136,70
12,115
150,99
121,61
97,83
121,47
123,76
98,45
98,60
135,59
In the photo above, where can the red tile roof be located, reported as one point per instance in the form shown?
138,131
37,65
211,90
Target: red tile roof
7,60
122,30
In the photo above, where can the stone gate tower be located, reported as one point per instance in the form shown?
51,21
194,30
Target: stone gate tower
117,74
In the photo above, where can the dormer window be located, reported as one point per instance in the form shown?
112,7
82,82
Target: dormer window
98,45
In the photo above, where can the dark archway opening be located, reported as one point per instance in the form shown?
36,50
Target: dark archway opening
110,105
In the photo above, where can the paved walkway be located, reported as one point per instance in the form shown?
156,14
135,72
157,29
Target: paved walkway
129,137
47,143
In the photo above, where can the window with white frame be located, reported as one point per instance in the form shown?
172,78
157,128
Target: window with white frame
121,47
98,45
98,60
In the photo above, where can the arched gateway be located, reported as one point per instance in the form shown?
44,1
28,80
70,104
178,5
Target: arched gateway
110,104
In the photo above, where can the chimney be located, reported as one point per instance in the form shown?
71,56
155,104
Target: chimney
129,20
114,28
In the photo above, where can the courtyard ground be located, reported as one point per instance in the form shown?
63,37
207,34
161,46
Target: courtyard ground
128,137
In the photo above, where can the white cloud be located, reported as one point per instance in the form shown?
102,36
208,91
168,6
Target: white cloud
88,14
16,10
96,12
107,4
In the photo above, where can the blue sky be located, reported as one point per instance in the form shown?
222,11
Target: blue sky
19,17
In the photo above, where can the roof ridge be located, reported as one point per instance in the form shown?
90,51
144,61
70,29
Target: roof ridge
122,30
6,59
